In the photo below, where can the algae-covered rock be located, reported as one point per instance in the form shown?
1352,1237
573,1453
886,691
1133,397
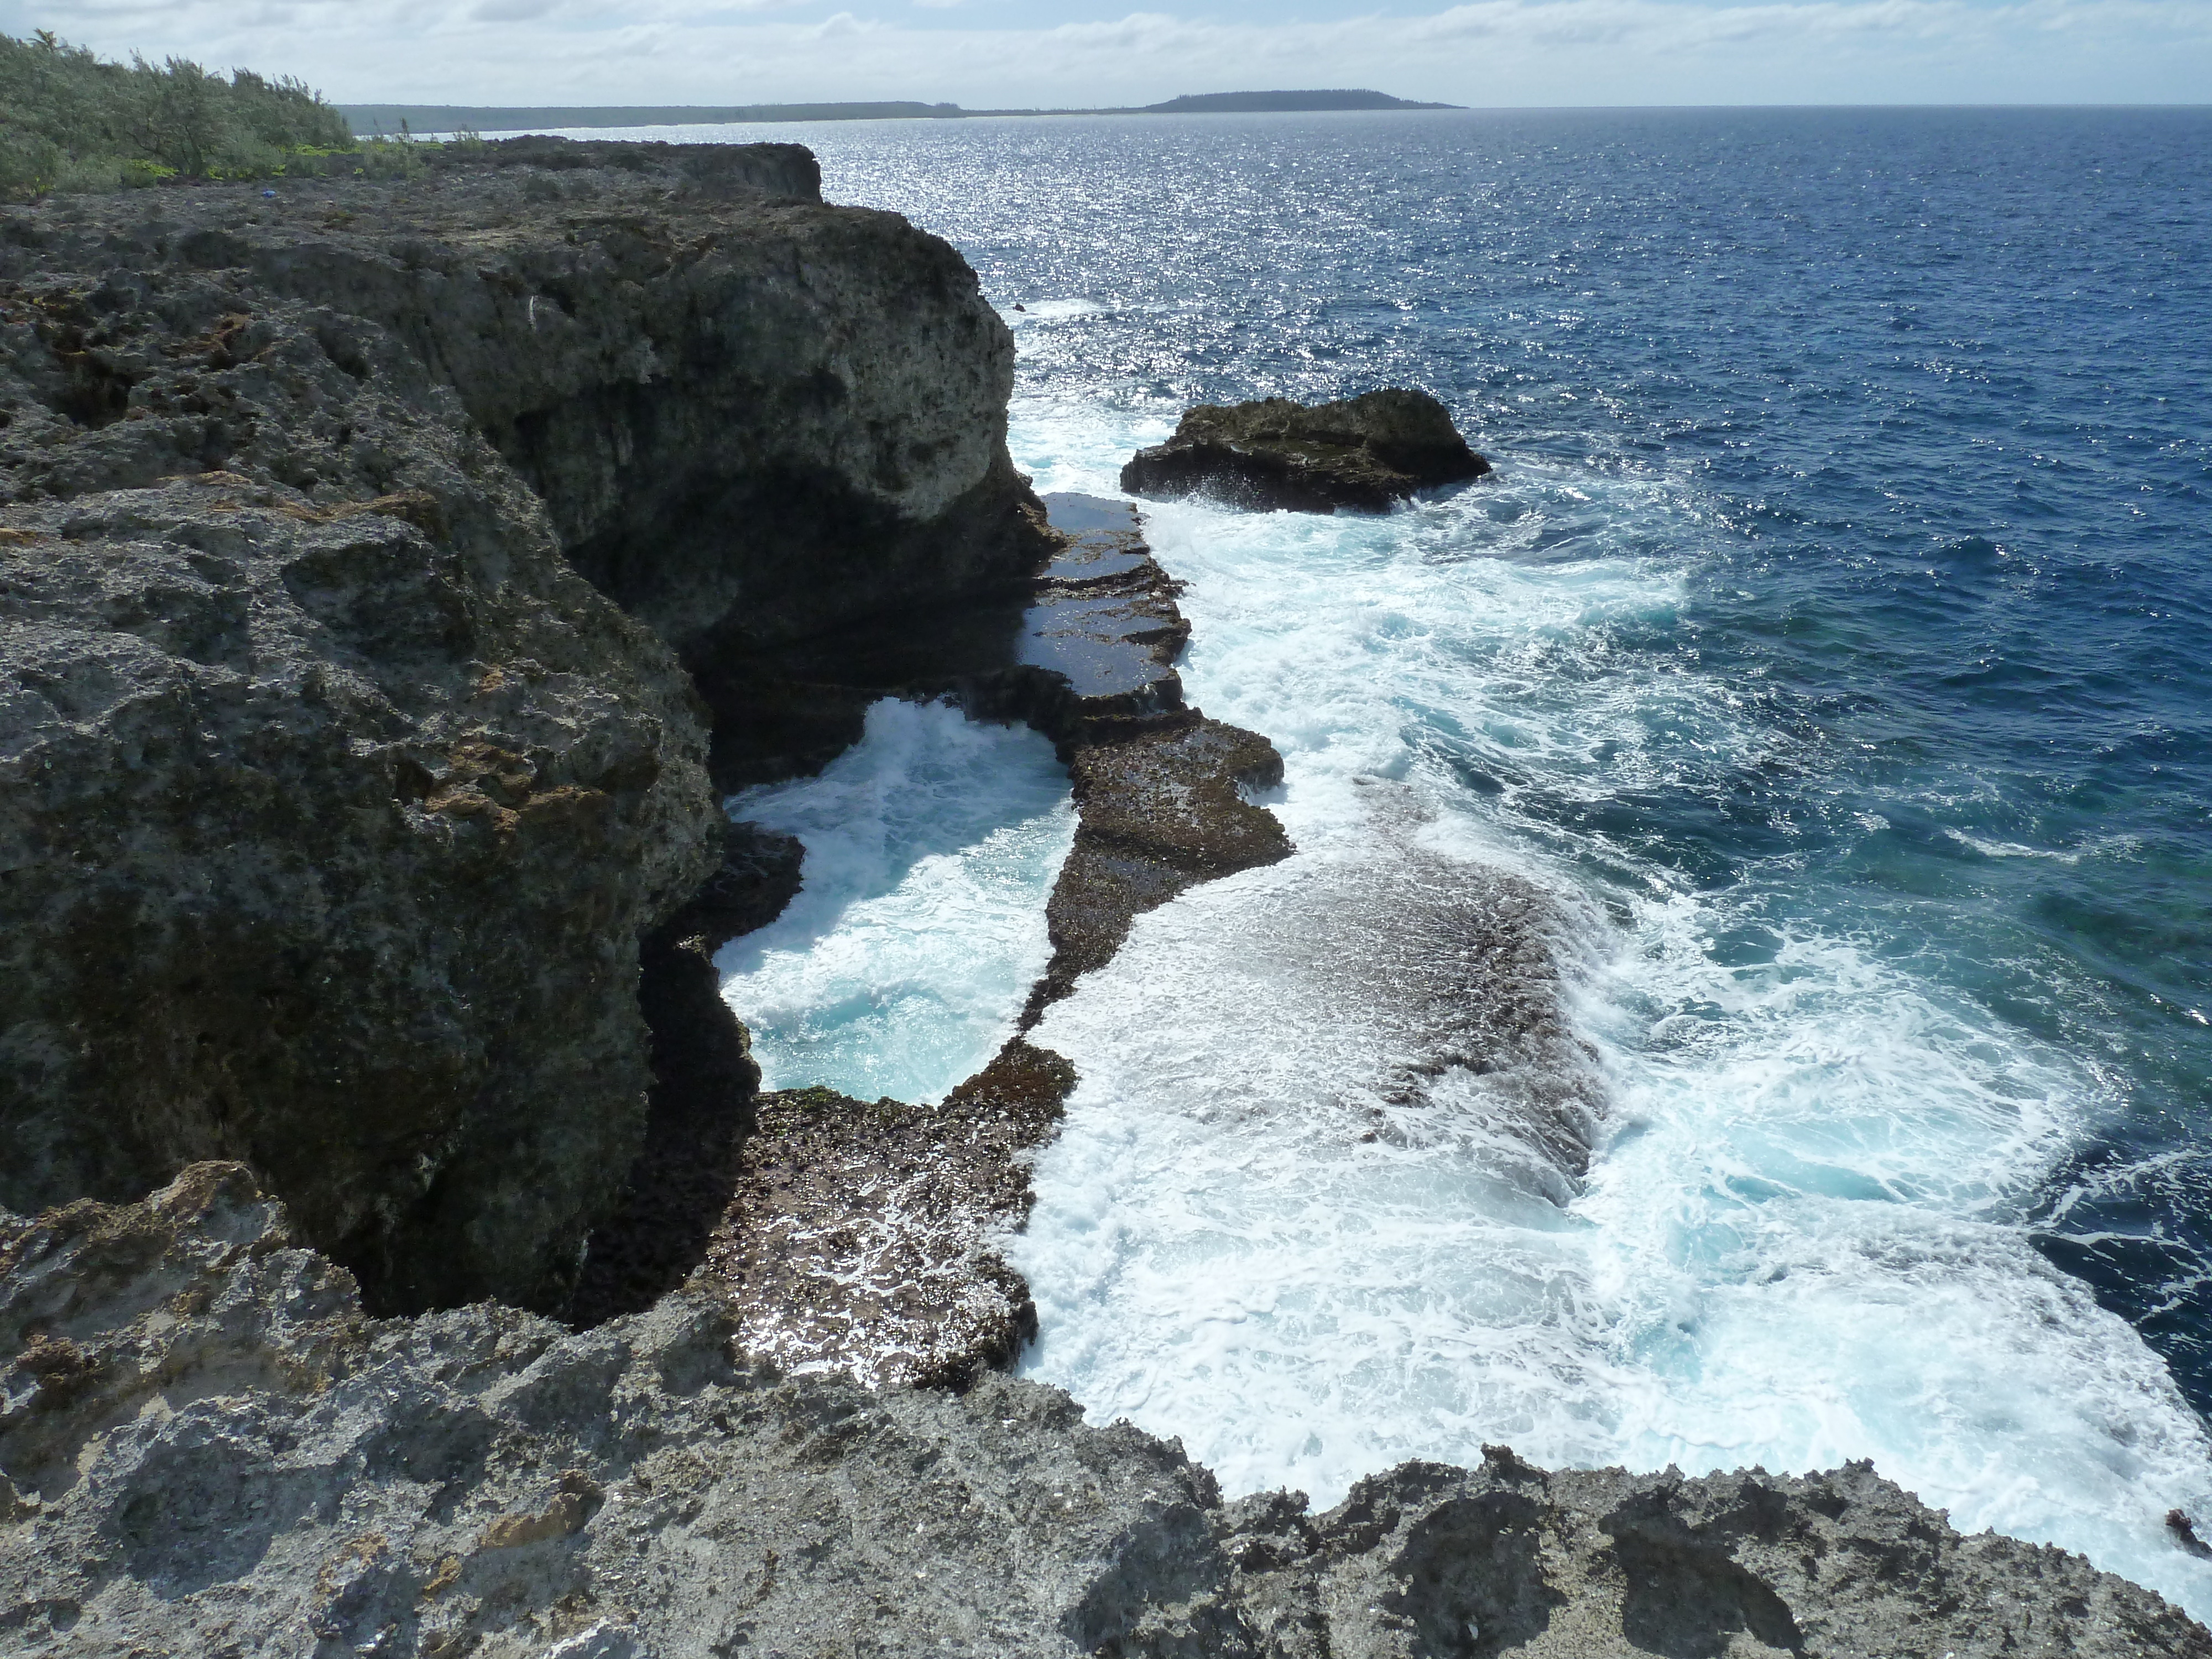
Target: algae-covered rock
1367,453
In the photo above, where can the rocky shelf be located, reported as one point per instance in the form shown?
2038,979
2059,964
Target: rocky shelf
210,1449
860,1236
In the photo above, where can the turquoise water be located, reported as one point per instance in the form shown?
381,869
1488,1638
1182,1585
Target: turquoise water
919,928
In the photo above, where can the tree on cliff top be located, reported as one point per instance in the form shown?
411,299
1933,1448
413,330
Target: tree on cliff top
68,120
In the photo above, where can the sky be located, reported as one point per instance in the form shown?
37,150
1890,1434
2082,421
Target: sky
986,54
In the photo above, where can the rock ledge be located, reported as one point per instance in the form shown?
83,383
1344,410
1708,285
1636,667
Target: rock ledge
209,1448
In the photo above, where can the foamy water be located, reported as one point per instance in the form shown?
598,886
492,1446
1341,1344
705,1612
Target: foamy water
900,968
1827,649
1799,1240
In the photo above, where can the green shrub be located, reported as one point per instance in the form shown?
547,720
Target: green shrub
70,121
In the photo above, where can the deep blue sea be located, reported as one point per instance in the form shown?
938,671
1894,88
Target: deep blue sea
1833,642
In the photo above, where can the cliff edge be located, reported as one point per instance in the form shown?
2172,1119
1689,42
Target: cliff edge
335,803
385,569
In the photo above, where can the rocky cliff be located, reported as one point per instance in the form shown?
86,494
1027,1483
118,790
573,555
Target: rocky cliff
337,803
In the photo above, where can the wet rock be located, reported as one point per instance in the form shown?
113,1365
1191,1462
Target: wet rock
211,1449
862,1238
758,875
1084,647
858,1236
1366,454
1160,811
1160,790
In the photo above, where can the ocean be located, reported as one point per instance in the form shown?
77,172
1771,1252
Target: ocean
1831,649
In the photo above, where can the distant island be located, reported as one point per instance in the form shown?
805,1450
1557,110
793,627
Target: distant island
367,119
1255,103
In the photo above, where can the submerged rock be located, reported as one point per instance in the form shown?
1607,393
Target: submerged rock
207,1448
1367,453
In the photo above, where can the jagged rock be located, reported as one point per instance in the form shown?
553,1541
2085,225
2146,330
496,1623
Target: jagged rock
863,1238
1367,453
209,1448
333,804
328,838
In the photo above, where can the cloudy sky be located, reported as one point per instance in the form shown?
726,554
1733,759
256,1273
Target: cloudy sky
983,53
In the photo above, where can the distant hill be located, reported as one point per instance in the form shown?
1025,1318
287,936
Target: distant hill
1256,103
367,119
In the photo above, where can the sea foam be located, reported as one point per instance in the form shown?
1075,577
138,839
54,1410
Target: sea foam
900,967
1799,1239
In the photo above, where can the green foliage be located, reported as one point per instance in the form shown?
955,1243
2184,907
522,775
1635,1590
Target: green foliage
70,121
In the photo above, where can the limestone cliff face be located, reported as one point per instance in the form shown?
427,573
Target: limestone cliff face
752,418
334,802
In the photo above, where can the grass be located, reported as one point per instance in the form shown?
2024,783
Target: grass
70,122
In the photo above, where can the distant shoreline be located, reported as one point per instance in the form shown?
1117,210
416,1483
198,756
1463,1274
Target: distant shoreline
369,119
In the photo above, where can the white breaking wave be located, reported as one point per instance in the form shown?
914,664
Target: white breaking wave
1796,1243
900,967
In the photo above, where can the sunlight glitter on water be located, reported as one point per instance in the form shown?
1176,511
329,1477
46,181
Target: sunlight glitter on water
1798,1241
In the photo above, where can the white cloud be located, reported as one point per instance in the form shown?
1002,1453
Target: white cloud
1489,52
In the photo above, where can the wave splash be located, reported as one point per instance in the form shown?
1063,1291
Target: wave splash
900,968
1475,1122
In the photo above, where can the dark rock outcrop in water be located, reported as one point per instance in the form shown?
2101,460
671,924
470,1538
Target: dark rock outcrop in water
336,806
1367,453
208,1449
1159,788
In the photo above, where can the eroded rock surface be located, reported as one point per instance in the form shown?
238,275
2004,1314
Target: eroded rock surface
330,820
1162,810
1367,453
209,1448
864,1238
334,803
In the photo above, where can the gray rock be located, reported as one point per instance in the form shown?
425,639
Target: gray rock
1367,453
334,805
331,823
209,1449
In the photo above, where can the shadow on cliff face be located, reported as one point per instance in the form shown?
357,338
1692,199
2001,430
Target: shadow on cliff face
700,1107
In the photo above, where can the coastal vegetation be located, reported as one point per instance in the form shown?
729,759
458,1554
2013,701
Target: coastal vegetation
72,121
